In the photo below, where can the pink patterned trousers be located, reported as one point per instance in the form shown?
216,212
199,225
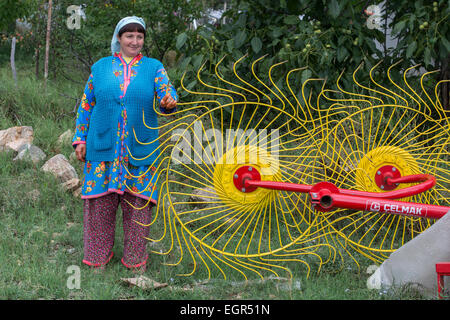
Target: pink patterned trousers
99,226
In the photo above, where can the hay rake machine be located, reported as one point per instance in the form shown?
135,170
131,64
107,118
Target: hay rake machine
259,181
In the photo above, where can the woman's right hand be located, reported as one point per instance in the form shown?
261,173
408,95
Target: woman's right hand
80,152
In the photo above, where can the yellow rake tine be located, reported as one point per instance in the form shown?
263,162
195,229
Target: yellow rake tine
353,94
278,89
380,86
438,102
192,256
364,87
237,262
425,92
292,92
259,80
274,266
213,87
396,85
233,220
229,264
243,81
201,258
212,260
409,87
216,70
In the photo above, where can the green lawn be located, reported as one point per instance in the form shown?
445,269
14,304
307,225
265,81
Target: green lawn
41,231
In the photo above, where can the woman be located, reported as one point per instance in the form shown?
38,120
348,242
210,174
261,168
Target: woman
119,150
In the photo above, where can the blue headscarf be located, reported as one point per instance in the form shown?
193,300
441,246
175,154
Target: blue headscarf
115,45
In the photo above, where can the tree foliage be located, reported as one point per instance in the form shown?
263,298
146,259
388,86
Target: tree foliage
327,37
324,36
75,49
422,30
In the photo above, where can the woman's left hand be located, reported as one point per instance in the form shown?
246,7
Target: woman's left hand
168,102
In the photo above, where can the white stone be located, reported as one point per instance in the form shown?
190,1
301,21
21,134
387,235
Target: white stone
60,167
374,282
13,138
33,195
77,192
65,138
203,195
30,152
371,269
71,185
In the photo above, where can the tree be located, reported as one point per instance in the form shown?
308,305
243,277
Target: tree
422,30
326,36
76,49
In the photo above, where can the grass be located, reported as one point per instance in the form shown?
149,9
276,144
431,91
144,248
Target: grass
41,227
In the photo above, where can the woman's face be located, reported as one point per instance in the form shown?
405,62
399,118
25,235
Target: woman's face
131,43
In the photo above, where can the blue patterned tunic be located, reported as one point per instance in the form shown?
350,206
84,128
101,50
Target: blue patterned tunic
119,176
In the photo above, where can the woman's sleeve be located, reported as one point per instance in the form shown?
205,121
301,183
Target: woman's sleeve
84,113
163,87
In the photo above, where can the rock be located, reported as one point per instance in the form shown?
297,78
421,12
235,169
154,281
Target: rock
77,193
33,195
65,138
30,152
60,167
371,269
203,195
71,185
144,283
70,224
13,138
73,157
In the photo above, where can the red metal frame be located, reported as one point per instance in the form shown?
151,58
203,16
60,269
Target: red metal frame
442,269
325,196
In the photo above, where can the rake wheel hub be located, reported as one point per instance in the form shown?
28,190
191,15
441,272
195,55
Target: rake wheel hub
245,173
238,165
382,163
384,174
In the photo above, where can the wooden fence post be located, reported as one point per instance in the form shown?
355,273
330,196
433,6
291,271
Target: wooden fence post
13,63
47,42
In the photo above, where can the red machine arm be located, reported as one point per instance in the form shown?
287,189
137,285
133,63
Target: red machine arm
326,196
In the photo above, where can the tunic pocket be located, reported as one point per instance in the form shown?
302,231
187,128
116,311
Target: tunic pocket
103,139
147,142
